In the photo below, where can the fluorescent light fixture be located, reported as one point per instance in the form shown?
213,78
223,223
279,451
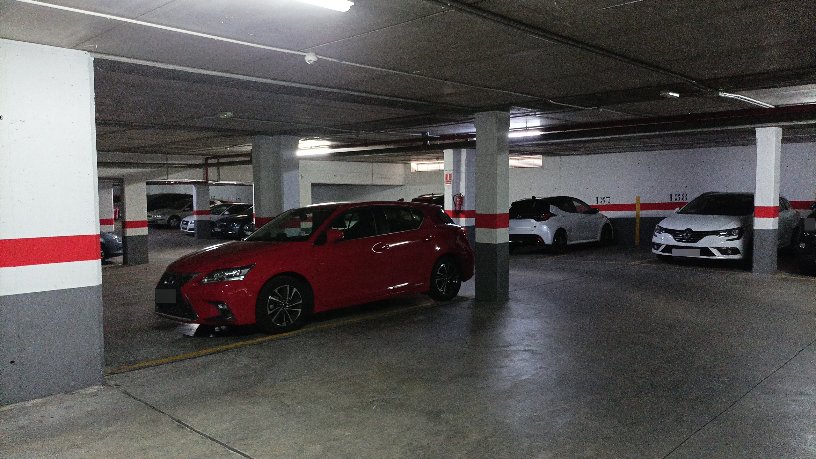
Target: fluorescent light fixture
670,94
427,166
745,99
527,161
524,133
336,5
313,147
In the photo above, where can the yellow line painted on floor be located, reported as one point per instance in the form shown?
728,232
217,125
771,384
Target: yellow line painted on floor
263,339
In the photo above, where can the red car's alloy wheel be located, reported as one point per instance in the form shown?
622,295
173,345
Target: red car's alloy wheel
284,304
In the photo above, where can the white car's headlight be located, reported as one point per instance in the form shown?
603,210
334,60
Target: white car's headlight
732,234
659,230
227,275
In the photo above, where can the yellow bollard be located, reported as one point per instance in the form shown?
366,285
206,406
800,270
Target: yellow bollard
637,221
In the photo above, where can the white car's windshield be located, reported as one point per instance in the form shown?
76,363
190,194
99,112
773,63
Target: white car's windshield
731,204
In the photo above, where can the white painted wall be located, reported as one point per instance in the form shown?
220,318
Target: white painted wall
655,176
413,185
235,193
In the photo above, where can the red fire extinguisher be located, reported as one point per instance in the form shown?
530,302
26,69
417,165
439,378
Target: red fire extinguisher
458,202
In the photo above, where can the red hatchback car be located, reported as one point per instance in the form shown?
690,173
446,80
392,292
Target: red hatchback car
315,259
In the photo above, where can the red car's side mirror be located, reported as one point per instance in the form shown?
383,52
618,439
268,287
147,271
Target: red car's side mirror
334,235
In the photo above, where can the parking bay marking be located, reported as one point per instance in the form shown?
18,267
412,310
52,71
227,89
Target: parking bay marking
263,339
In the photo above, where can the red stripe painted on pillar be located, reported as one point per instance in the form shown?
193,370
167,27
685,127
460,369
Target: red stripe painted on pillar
47,250
766,211
106,221
260,221
492,221
461,213
130,224
201,212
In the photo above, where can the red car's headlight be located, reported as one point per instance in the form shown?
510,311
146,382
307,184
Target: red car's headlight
227,275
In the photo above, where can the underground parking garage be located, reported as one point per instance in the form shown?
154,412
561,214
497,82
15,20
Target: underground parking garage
635,279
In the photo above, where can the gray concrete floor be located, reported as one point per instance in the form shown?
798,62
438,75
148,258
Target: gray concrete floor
600,352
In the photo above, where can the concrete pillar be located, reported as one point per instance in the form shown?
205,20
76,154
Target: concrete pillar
460,177
276,176
492,202
106,220
134,222
766,200
201,210
50,275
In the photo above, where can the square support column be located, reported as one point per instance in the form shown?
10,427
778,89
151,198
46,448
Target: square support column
492,201
276,176
201,210
106,217
134,223
50,274
766,200
460,178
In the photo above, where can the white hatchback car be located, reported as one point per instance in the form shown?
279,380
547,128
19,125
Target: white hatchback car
718,226
557,222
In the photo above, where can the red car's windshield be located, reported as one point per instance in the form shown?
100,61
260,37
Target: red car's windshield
293,225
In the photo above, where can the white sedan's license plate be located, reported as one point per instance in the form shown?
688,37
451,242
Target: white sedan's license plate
165,295
686,252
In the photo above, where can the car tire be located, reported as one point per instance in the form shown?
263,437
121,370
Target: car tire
284,304
607,235
794,240
559,243
174,222
445,280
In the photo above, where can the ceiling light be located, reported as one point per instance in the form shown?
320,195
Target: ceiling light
225,115
670,94
746,99
313,147
525,133
427,166
336,5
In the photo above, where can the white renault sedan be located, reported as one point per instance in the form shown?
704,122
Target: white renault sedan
557,222
718,226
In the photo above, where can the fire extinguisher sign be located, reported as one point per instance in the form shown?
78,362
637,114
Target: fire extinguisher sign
448,178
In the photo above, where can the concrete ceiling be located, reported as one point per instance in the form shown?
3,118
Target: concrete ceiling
168,71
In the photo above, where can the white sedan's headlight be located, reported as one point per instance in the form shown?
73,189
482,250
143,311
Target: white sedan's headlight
659,230
732,234
227,275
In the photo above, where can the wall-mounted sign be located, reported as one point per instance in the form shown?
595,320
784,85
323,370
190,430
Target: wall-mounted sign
448,178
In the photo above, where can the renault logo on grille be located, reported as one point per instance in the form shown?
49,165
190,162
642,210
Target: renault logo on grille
688,233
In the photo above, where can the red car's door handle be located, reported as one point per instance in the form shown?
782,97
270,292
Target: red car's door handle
381,247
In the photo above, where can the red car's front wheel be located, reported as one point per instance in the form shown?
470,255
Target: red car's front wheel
284,304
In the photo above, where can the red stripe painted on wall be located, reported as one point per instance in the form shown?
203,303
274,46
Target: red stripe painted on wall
201,212
260,221
800,205
130,224
766,211
47,250
492,221
461,213
630,207
106,221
